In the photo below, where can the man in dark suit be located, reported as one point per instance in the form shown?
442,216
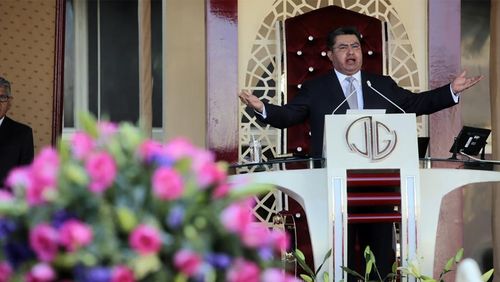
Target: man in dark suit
16,139
321,96
330,92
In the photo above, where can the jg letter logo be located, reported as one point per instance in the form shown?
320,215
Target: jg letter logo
370,138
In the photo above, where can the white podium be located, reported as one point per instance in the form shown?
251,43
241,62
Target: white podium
370,142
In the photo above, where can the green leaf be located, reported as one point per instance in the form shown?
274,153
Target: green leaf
143,265
302,262
352,272
326,277
126,219
306,278
394,267
327,255
249,190
299,254
487,275
449,264
459,255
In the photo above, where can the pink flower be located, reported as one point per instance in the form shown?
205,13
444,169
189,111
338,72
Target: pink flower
209,173
145,240
122,273
167,184
45,168
43,240
179,148
5,271
41,272
237,216
221,190
81,145
188,262
20,177
6,196
243,271
107,129
280,239
102,170
256,235
148,149
277,275
75,234
35,189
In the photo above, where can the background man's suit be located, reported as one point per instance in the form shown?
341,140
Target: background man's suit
16,146
320,96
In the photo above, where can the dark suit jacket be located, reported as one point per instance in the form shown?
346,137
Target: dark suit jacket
320,96
16,146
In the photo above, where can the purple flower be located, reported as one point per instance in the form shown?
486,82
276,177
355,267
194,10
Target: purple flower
60,216
218,260
93,274
175,217
6,227
17,253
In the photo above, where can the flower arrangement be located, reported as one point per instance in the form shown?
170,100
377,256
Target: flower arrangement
110,205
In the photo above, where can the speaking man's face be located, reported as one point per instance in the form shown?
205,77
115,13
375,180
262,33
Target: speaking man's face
346,54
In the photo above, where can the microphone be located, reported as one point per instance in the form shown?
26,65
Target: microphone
345,100
390,101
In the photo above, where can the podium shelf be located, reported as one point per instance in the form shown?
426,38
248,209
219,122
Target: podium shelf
374,199
374,217
373,179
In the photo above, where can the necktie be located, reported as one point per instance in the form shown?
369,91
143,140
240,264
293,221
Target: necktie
353,100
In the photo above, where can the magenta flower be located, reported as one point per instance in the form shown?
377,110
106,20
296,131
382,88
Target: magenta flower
5,271
122,273
107,129
148,149
20,177
81,145
41,272
74,234
6,196
256,235
280,239
243,271
167,184
43,240
179,148
145,240
188,262
45,168
209,174
237,216
102,170
277,275
221,190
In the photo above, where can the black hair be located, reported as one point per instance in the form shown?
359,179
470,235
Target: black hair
341,31
5,84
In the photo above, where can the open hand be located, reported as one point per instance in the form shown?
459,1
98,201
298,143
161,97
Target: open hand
251,100
461,82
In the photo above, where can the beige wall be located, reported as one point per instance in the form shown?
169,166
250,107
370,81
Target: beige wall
27,61
184,75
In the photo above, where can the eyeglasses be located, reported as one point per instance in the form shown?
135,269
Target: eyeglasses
344,47
4,98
